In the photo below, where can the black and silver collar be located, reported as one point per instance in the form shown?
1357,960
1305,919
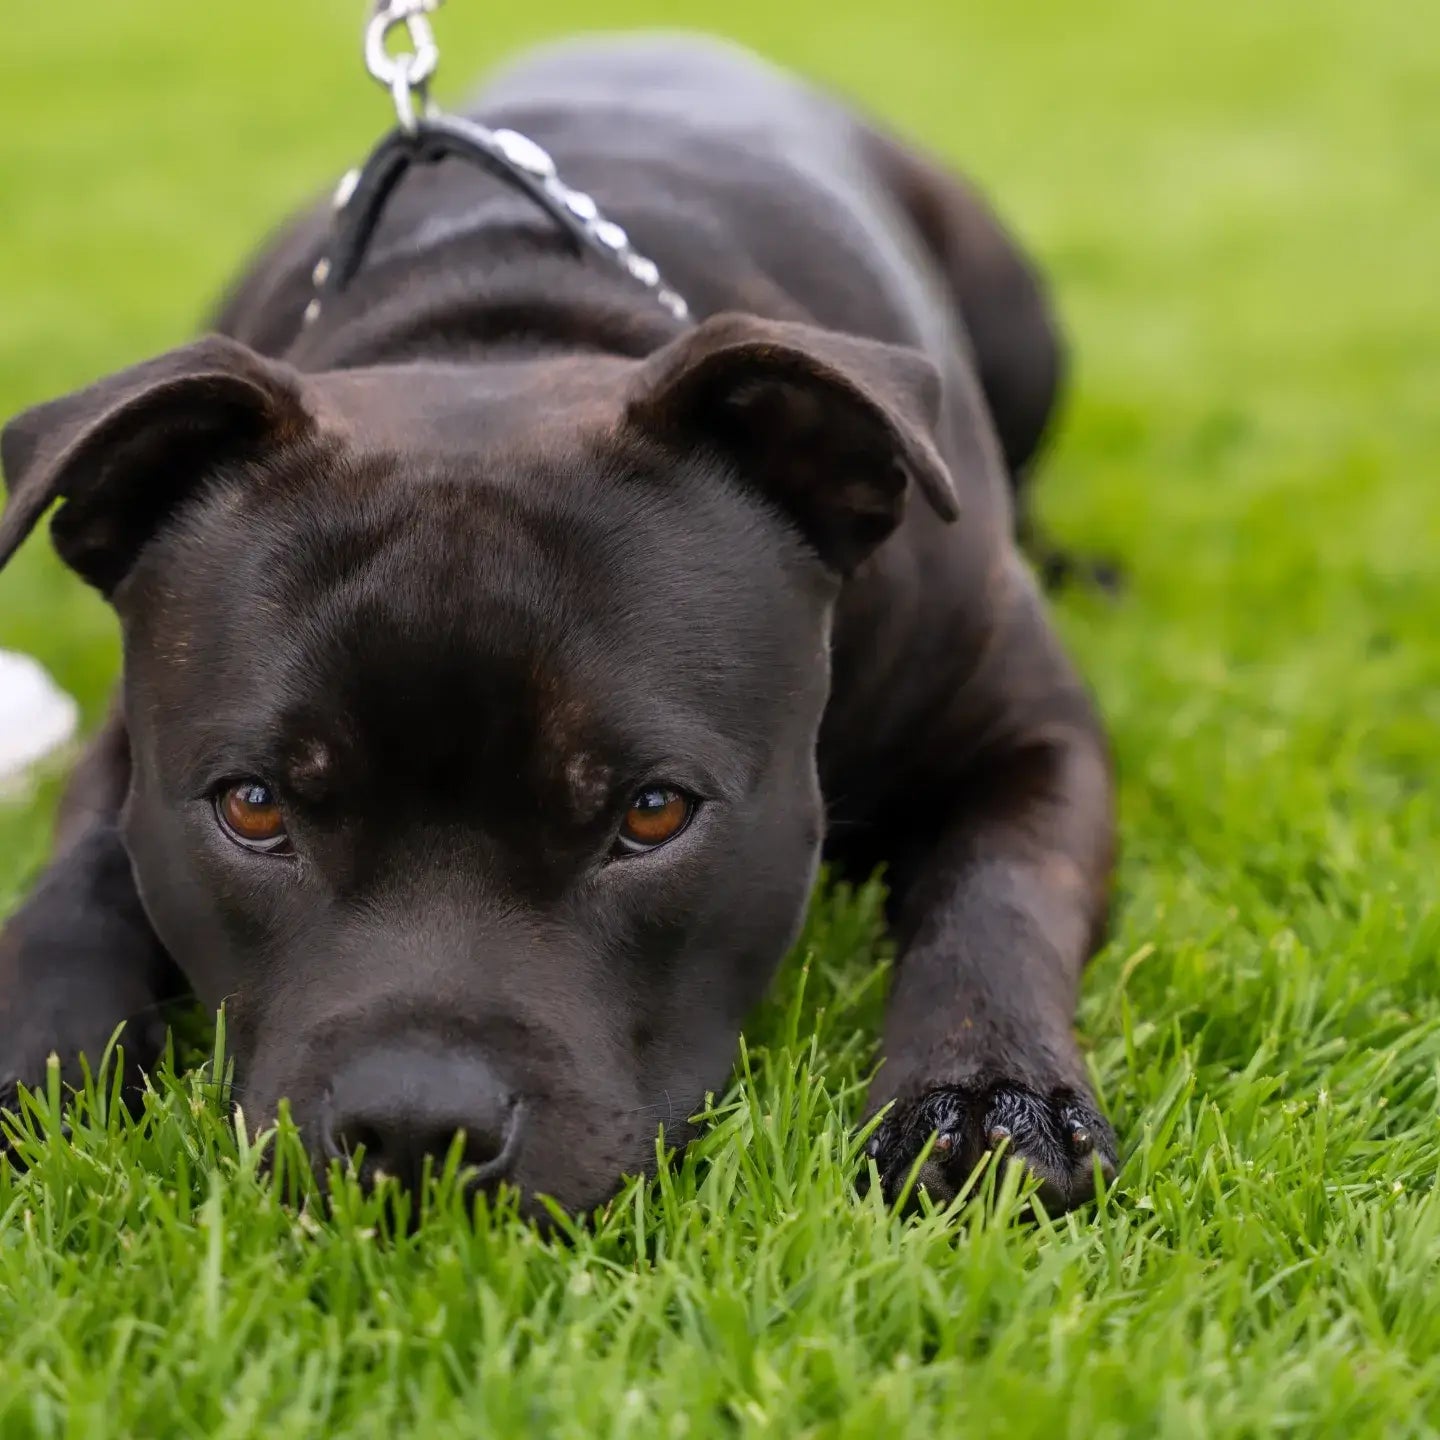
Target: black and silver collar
424,136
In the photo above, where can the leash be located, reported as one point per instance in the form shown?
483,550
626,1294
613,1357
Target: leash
425,135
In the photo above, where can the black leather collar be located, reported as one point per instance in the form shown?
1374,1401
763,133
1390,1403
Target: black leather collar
508,156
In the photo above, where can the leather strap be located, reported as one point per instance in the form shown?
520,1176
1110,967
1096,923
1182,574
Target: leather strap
435,138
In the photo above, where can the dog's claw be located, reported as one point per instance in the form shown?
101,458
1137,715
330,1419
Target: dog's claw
1056,1135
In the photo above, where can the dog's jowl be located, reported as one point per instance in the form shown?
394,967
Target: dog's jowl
502,651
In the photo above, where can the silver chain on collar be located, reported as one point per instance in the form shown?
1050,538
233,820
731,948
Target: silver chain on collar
406,76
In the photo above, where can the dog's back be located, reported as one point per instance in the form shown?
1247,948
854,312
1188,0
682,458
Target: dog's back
729,164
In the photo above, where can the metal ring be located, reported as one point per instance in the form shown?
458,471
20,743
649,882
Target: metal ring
418,66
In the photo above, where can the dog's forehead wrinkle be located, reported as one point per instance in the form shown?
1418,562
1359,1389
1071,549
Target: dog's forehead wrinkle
438,546
427,536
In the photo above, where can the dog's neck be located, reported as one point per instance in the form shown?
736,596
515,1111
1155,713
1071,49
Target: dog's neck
518,291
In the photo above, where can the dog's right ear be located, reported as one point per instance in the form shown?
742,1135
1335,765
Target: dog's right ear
125,452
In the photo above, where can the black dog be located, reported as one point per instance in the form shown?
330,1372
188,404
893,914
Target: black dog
500,650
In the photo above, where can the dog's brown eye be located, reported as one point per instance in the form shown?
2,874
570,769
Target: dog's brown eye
251,816
656,814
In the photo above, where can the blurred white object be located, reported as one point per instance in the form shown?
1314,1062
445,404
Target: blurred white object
36,716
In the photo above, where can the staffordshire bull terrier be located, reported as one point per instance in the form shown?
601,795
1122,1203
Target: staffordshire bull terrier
503,650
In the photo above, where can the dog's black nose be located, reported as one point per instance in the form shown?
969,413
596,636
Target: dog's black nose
402,1104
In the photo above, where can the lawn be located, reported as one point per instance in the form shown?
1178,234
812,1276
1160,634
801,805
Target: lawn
1237,203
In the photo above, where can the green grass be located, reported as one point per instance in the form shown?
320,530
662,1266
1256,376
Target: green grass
1237,205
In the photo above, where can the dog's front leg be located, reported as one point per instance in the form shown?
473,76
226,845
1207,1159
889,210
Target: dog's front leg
79,957
996,912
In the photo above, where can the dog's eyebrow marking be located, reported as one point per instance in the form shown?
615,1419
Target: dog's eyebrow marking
564,723
309,765
589,779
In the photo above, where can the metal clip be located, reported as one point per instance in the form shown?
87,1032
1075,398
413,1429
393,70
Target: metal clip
405,75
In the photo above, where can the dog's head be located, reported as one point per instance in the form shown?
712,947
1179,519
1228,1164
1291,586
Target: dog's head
473,710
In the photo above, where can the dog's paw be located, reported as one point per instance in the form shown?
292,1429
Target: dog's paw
27,1061
1057,1135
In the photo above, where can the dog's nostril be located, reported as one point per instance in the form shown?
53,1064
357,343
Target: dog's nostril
483,1148
357,1140
404,1107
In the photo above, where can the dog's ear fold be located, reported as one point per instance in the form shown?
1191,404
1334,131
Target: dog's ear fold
123,453
829,427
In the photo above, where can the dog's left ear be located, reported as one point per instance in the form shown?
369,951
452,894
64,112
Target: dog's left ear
829,427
